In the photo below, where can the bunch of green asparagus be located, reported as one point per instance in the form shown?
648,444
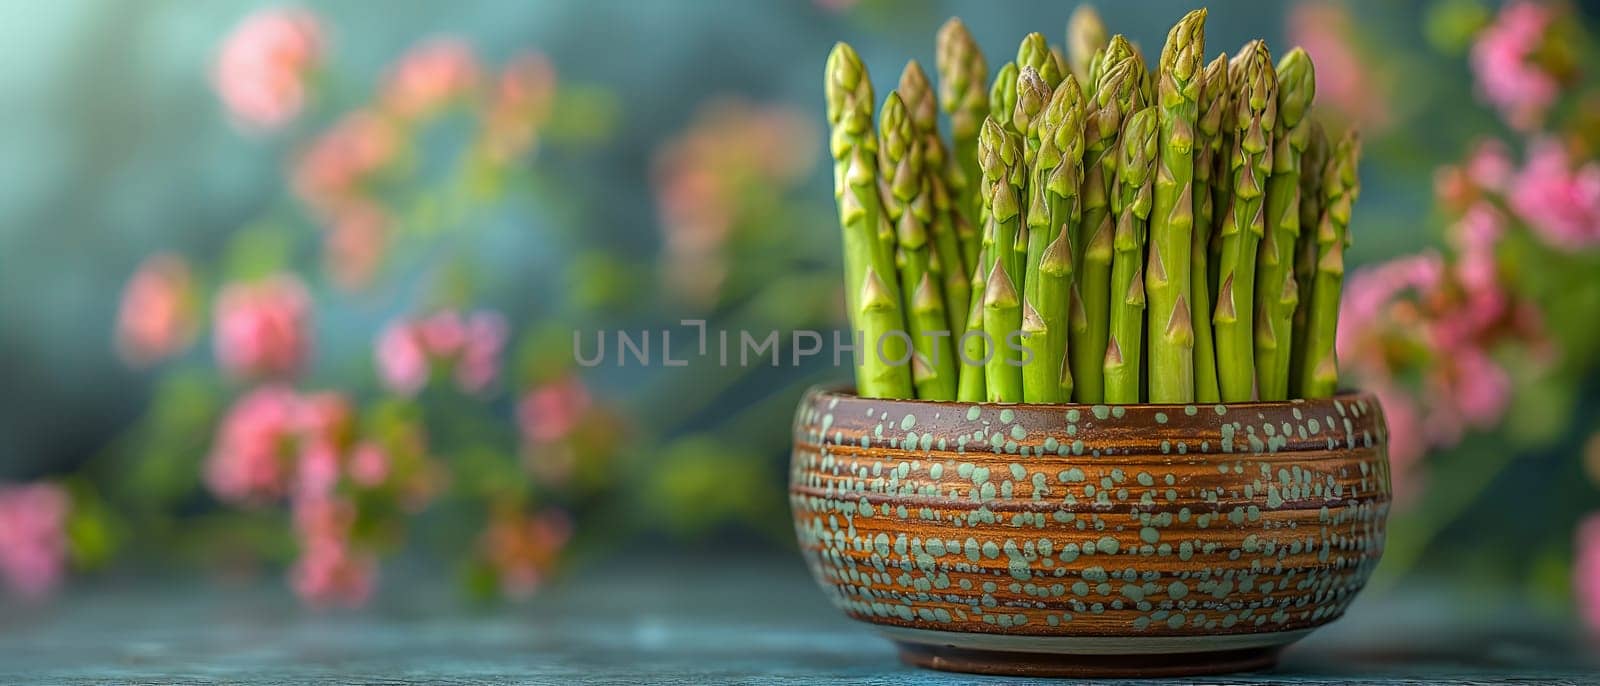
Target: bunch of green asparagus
1093,231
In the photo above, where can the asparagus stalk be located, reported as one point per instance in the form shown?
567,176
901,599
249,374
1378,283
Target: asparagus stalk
1035,52
1086,35
1275,266
871,294
1320,373
902,164
1255,103
1052,212
1134,202
972,386
1167,282
1208,146
1305,261
1115,96
963,94
947,224
1000,154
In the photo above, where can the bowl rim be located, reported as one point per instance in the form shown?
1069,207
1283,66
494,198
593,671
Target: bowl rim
847,392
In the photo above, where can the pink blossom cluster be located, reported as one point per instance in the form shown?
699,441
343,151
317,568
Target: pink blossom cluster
274,441
705,180
157,317
1444,319
1559,196
467,347
332,570
519,106
264,63
431,76
1504,62
523,549
550,415
262,328
33,538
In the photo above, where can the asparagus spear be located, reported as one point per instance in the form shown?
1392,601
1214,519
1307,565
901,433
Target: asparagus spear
963,94
972,386
1034,51
1275,266
1320,373
1134,201
947,223
1086,34
1000,154
902,164
1115,96
1167,282
1052,212
1305,261
1120,48
1033,93
1208,146
1256,104
872,297
1003,98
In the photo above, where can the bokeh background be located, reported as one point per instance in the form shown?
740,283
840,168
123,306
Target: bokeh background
287,292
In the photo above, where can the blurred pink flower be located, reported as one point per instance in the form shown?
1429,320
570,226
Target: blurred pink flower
521,103
329,173
157,317
1488,169
731,161
33,539
330,572
262,327
429,76
262,67
1558,196
1344,82
354,245
251,461
523,549
548,413
408,350
1502,60
369,464
1586,571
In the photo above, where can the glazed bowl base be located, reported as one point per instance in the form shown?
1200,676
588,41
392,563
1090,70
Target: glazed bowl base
1008,663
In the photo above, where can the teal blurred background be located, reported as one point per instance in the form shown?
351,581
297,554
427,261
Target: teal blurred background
599,165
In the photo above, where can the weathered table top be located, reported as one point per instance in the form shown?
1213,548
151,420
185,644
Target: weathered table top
660,620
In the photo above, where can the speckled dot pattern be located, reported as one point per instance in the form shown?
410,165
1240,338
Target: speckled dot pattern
1080,520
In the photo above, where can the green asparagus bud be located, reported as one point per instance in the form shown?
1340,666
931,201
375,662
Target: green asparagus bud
1134,201
1115,97
1167,278
1086,34
1255,108
1305,262
873,303
1032,95
963,94
1275,266
1341,187
1000,156
901,162
1208,147
1120,48
1003,96
1052,212
1035,52
946,225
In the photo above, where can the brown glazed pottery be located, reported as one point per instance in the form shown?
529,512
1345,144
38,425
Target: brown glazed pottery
1090,540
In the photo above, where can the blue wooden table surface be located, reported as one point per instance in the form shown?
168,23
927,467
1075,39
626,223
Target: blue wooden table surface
668,621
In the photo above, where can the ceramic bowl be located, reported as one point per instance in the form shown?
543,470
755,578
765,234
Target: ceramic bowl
1090,540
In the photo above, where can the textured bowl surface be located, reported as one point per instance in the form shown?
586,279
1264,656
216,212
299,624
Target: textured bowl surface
989,537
